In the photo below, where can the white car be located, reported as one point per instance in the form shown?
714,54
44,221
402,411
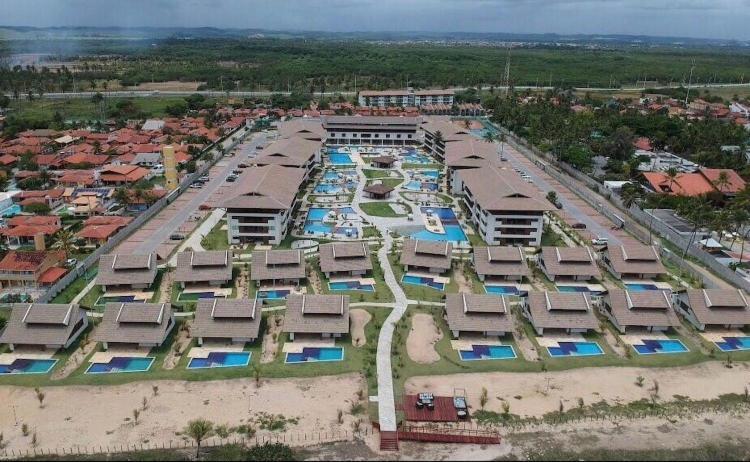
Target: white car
599,241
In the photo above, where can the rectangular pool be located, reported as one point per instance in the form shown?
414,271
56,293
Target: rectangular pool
487,352
501,290
121,364
453,231
422,281
194,296
104,299
421,186
272,294
734,344
221,359
575,349
650,347
28,366
351,285
338,158
308,355
641,287
572,289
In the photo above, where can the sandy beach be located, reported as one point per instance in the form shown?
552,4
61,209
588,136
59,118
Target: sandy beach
535,394
420,345
102,415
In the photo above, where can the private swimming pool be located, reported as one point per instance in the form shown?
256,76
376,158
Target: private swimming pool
315,355
422,281
640,287
338,158
572,289
575,349
28,366
104,299
650,347
193,296
351,285
501,290
121,364
272,294
486,352
221,359
734,344
453,231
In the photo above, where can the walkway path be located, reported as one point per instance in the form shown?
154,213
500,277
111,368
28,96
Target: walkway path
194,241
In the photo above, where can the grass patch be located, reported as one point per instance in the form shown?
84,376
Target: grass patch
374,174
382,209
390,182
217,238
382,293
422,293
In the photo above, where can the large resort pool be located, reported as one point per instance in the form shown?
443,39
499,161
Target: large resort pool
318,223
453,231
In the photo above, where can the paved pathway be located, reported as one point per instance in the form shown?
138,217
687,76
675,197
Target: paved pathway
194,241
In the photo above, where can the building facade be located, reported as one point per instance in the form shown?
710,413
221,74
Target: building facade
374,130
405,98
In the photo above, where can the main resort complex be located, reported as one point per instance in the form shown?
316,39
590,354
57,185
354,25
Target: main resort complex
391,247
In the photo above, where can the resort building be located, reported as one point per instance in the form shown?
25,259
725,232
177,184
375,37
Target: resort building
213,268
506,263
633,261
326,316
405,98
378,191
568,263
649,310
430,256
345,259
309,129
31,269
278,267
569,312
717,308
126,271
505,209
260,206
290,152
227,319
467,154
372,130
48,326
440,133
487,314
145,325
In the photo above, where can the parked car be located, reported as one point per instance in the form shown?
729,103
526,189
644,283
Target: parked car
177,237
242,165
579,226
599,241
71,262
232,178
459,402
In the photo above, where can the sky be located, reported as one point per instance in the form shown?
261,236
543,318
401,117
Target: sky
725,19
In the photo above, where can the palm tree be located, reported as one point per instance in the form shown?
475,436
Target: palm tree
722,181
489,137
740,220
467,124
122,196
439,137
65,240
698,213
630,194
671,176
199,430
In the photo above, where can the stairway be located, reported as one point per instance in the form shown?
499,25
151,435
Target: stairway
388,441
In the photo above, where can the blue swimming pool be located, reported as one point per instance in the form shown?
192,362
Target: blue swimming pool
422,281
453,231
272,294
413,157
575,349
121,364
337,175
351,285
501,290
11,211
486,352
435,174
420,186
117,299
28,366
314,222
651,347
734,344
221,359
640,287
315,355
572,289
338,158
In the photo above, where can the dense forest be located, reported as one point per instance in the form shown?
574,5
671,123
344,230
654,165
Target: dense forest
330,65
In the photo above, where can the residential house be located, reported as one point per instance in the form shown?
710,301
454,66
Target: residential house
233,319
345,259
278,267
31,268
326,316
126,271
145,325
213,268
568,263
430,256
649,310
569,312
713,308
45,325
633,261
486,314
506,263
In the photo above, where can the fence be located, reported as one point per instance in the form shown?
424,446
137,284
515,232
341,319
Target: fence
631,217
289,438
155,208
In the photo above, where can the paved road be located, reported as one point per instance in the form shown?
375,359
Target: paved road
186,210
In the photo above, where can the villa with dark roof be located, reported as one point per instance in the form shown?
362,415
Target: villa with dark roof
500,263
713,308
487,314
326,316
278,267
569,312
633,261
568,263
649,310
345,259
49,326
233,319
209,267
145,325
430,256
126,271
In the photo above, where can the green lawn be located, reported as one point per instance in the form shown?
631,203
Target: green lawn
217,238
382,293
382,209
370,231
551,238
70,292
412,166
373,174
391,182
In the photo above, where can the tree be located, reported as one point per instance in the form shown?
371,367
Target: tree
37,209
697,212
671,174
122,196
619,145
489,136
65,240
552,197
630,193
722,181
199,430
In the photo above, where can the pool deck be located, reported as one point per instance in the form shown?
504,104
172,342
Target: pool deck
7,359
717,335
637,339
225,291
554,341
660,285
291,289
104,357
205,350
140,295
362,281
590,287
434,277
433,223
467,342
298,345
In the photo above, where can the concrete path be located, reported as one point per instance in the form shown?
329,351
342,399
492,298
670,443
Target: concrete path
194,241
85,290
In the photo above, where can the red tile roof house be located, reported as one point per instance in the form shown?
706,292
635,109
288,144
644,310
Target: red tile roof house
46,326
30,269
22,229
7,159
76,178
704,181
98,230
51,197
122,174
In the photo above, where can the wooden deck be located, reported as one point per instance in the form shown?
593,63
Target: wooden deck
458,436
443,412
